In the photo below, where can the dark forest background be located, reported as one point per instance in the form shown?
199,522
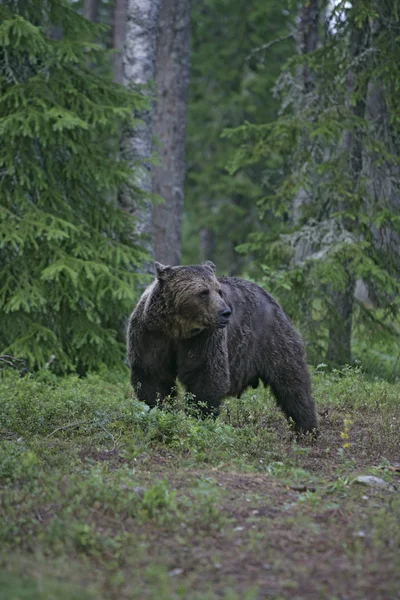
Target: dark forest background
263,136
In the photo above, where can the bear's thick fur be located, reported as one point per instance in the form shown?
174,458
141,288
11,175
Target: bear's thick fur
217,336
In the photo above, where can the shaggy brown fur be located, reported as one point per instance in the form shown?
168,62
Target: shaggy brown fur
217,336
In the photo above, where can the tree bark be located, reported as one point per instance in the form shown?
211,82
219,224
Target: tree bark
118,38
139,56
307,42
308,39
383,176
172,83
206,244
339,344
91,10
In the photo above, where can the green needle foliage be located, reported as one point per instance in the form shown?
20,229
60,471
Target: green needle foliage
331,162
238,49
67,257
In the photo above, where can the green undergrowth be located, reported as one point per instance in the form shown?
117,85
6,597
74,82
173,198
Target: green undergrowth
100,495
42,412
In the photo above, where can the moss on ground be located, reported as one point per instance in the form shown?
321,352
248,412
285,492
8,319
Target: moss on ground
101,498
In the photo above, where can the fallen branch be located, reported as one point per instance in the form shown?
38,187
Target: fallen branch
78,424
112,437
15,363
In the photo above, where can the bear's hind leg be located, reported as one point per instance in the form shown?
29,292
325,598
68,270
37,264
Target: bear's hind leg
296,403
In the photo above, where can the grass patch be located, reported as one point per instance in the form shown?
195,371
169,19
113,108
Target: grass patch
100,496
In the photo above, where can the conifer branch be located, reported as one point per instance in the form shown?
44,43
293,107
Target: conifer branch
268,45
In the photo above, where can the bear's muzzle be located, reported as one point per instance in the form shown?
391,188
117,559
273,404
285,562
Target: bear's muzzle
224,317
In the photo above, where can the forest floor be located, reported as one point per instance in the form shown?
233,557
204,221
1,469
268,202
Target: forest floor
100,499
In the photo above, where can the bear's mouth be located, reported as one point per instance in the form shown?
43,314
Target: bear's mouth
222,323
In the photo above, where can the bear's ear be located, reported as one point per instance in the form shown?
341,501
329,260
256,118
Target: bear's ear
162,271
210,265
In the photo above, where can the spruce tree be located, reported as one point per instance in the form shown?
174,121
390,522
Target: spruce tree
68,262
335,147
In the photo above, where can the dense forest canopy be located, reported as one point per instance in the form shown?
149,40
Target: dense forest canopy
291,169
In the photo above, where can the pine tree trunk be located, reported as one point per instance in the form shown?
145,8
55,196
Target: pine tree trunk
206,244
139,56
172,82
307,39
383,176
118,37
339,344
91,10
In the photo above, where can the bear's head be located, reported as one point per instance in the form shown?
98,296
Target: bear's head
193,298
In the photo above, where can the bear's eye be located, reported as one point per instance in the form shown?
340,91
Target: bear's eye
220,293
204,293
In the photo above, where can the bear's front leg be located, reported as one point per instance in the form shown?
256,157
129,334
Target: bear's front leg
207,393
150,387
152,360
203,369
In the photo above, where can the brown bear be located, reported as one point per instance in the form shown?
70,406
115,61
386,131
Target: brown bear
217,336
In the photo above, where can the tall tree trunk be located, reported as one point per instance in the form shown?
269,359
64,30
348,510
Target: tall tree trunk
384,178
339,344
118,38
236,260
172,83
307,39
383,175
136,144
91,10
207,244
